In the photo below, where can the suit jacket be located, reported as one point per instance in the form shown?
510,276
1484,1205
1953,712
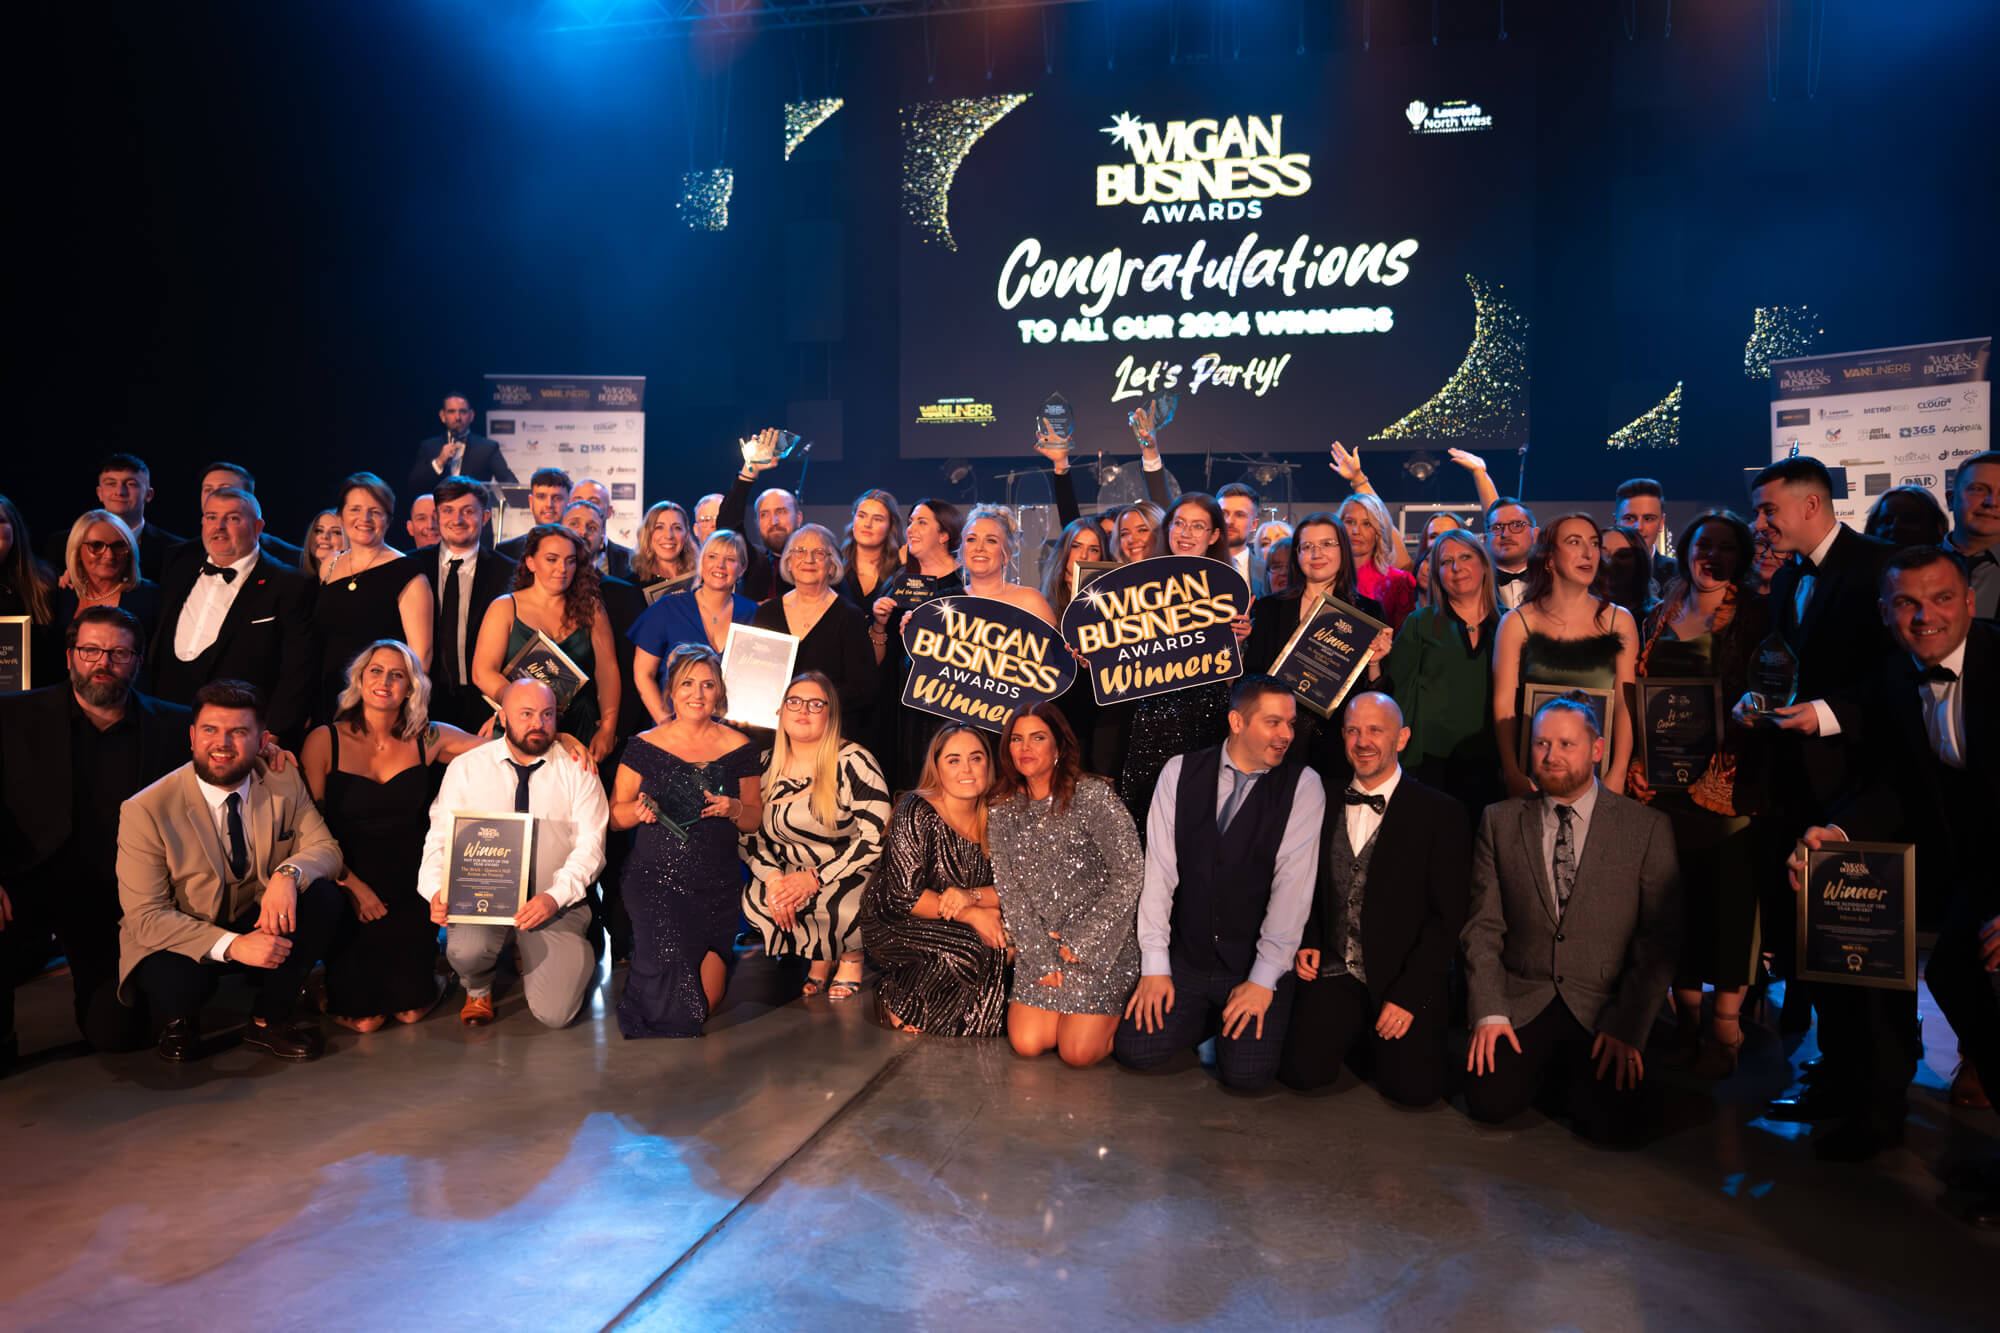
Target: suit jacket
266,639
1610,955
761,580
624,603
481,462
173,876
617,561
276,550
1841,645
1414,902
491,577
1907,794
35,775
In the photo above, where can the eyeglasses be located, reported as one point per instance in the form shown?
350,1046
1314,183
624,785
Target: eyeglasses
90,655
812,555
797,705
1319,548
1512,527
1195,529
101,548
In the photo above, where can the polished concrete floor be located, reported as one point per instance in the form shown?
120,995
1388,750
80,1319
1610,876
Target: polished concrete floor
802,1168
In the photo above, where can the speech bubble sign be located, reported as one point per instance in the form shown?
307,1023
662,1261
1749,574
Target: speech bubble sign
981,660
1158,625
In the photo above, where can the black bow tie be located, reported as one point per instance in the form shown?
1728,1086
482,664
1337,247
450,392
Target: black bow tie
1925,675
1501,578
227,574
1376,803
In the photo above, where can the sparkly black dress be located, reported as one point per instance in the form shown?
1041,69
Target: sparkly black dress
351,613
937,976
683,897
387,965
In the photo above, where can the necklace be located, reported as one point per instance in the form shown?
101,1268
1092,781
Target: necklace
796,611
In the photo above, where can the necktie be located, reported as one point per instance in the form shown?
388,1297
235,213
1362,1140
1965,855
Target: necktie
1239,787
223,572
1353,796
239,846
1942,674
1565,858
1501,577
452,668
522,772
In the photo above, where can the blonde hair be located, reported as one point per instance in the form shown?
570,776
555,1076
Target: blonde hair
1377,514
1153,514
74,564
930,784
415,717
642,554
823,790
685,658
1010,534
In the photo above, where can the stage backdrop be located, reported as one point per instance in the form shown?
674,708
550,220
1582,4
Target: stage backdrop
1896,416
1285,246
587,425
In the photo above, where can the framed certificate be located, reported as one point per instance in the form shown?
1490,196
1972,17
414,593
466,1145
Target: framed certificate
665,587
1326,654
15,672
756,669
487,865
1680,728
541,659
1081,572
1857,921
1534,694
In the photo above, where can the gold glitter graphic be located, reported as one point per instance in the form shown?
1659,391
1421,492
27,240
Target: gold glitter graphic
936,138
1487,396
704,202
802,118
1777,333
1660,428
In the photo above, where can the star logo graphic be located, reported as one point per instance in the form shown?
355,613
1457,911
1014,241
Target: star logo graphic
1124,131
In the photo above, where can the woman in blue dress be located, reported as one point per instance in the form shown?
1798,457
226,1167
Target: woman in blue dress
702,614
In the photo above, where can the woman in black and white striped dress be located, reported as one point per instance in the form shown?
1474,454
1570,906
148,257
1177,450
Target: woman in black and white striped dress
825,805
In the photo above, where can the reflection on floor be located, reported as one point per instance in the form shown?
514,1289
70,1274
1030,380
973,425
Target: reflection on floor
802,1167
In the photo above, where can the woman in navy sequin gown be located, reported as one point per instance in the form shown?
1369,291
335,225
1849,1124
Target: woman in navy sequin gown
684,892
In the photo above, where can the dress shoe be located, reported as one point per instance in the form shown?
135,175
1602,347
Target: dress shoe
287,1041
1855,1142
478,1011
1966,1089
1815,1103
178,1041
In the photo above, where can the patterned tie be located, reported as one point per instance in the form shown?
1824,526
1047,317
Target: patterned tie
1565,858
239,846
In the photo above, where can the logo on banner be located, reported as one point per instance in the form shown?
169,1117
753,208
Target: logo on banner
1455,117
617,395
1835,413
1874,483
499,425
1833,435
1877,433
1158,625
1951,363
1804,380
1235,164
1914,456
513,395
624,491
1960,428
981,660
1920,479
1799,416
1907,432
603,427
1935,404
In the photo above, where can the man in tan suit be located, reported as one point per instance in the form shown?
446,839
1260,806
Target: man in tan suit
220,866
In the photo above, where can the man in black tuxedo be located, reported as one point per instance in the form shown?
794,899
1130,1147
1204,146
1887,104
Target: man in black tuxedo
213,478
468,577
1373,964
1823,603
125,487
457,452
238,615
612,559
1510,535
548,492
70,755
1927,735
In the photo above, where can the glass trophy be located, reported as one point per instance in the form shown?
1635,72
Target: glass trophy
1057,423
1146,421
772,446
1774,677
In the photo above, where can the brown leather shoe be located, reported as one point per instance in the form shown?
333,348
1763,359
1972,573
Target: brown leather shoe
1966,1089
478,1011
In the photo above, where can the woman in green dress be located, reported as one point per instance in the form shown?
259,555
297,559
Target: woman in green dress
1440,672
555,592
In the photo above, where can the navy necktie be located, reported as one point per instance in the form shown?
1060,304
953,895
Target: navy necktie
522,772
239,846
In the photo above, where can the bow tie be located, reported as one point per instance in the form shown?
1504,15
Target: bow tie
1501,578
1805,565
1354,797
227,574
1925,675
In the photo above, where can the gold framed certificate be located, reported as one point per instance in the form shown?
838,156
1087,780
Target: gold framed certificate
16,672
487,866
1857,919
1327,653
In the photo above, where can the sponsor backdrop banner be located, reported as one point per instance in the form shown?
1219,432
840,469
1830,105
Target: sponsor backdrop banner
1287,247
587,425
981,660
1159,625
1895,416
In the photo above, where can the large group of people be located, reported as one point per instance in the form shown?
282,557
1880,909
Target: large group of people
245,756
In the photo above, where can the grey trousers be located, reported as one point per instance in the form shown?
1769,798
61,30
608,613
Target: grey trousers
557,965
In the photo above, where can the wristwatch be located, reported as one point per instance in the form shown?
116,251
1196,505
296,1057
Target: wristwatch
298,876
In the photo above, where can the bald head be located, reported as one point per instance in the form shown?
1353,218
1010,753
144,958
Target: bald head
1374,735
528,715
777,518
595,491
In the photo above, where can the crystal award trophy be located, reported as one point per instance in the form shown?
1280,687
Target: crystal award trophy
1146,421
772,446
1774,678
1056,424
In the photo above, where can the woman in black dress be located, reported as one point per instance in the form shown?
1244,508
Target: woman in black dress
832,633
369,591
930,918
929,570
683,882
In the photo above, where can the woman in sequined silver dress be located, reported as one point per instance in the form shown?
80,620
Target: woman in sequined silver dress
1068,869
930,918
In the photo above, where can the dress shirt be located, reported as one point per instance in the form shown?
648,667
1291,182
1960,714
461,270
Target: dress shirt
565,797
1983,568
1241,559
1944,710
207,606
1829,725
469,564
1292,875
1510,593
1362,821
218,813
1579,829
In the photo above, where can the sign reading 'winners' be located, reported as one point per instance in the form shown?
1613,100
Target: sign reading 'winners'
1159,625
981,660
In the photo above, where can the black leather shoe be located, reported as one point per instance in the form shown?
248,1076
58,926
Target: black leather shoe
1855,1142
179,1041
1814,1103
287,1041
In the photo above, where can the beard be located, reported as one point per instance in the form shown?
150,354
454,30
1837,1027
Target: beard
533,742
99,691
1568,784
231,772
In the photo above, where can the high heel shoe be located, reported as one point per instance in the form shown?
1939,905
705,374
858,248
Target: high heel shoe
1719,1057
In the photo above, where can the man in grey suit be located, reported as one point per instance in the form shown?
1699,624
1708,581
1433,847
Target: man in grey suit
1571,940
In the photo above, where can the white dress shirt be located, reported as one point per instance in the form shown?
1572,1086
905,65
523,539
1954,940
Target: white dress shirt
1581,810
207,606
565,797
218,811
469,559
1944,710
1362,821
1292,875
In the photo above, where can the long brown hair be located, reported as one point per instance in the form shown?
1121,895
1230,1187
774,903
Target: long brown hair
948,518
892,541
580,601
1218,537
1541,557
1056,582
643,562
1343,582
1069,758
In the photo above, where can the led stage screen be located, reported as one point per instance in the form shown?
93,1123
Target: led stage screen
1287,247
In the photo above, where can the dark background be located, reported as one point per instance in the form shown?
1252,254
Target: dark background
279,232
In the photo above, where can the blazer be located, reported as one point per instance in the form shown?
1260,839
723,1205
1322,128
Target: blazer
1610,955
617,561
481,462
35,773
275,549
492,577
266,639
761,579
173,879
1414,904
